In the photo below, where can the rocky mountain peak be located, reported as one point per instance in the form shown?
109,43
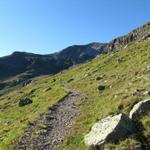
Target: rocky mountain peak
139,34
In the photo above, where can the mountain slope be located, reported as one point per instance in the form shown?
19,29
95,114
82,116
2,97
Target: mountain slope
124,75
27,65
20,62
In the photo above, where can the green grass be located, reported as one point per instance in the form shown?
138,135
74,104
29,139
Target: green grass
122,80
124,76
145,121
14,119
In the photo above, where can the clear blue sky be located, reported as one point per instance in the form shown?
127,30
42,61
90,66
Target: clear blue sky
45,26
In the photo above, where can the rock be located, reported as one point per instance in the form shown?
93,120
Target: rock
32,91
109,130
99,78
2,85
119,60
27,82
47,89
137,146
70,80
24,102
139,109
86,75
101,87
148,68
54,80
13,83
146,93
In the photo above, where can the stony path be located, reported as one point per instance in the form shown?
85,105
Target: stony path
54,125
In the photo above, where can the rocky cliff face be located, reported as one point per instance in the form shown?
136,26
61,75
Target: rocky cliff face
141,33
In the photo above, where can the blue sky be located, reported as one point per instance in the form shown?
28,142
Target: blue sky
45,26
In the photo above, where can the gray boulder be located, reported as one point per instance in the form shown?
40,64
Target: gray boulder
139,109
109,130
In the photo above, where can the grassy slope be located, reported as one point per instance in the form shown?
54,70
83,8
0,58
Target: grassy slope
14,119
123,73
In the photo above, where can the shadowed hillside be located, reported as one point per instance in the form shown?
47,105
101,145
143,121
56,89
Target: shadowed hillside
33,64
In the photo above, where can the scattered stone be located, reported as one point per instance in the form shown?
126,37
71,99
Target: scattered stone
24,102
94,71
32,91
148,68
86,75
14,83
139,109
137,146
109,130
70,80
145,77
120,107
101,87
54,80
27,82
119,60
137,92
31,123
110,86
125,46
51,128
47,89
99,78
2,85
146,93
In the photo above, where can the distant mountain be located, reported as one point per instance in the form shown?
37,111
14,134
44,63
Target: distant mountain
34,64
27,65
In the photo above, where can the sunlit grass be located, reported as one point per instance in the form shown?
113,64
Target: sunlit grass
125,80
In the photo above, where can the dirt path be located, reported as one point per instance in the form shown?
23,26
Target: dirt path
54,125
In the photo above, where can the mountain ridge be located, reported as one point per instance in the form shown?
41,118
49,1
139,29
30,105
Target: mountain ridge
32,65
20,62
136,35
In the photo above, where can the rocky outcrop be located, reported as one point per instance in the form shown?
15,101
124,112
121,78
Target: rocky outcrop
109,130
114,128
139,109
139,34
